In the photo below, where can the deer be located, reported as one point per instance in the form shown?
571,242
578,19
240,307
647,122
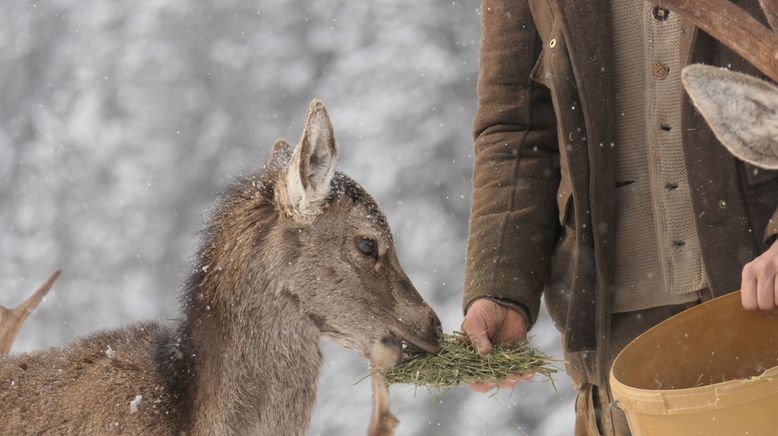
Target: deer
740,109
293,254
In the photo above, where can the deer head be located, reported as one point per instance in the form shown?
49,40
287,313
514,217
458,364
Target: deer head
293,254
347,277
741,110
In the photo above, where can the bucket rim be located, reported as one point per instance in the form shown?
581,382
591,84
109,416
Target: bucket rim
696,399
693,399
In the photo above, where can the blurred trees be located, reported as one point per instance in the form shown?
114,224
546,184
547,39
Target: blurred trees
121,121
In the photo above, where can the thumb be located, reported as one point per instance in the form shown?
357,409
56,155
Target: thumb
478,331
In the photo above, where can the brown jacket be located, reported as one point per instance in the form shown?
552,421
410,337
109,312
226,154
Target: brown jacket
542,206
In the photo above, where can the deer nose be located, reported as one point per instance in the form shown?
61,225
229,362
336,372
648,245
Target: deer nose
435,329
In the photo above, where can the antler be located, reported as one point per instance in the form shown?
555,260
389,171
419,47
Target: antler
770,8
735,28
11,320
382,422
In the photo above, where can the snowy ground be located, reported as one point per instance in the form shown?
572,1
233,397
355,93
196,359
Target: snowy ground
120,122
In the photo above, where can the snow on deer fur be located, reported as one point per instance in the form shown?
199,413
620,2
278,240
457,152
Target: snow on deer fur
286,259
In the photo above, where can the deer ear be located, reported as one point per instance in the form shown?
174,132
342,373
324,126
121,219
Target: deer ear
312,165
741,110
280,156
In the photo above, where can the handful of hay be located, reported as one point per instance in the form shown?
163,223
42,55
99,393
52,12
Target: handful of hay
458,362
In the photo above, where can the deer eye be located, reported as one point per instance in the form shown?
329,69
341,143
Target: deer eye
368,247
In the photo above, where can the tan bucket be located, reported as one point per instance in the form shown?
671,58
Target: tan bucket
711,370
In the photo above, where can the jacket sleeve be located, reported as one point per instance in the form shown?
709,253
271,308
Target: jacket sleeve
513,215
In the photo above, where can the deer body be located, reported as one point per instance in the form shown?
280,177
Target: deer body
57,391
290,256
224,373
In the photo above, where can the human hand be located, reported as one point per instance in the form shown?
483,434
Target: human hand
487,322
759,285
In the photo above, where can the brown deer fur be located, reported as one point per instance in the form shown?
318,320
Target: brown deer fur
278,269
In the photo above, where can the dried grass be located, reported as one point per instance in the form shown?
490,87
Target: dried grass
458,362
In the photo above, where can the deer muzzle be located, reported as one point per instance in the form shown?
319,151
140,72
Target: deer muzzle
427,337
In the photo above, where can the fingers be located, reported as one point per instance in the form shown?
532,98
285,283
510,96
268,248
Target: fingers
758,289
775,288
477,330
510,383
512,330
765,295
487,322
748,290
479,324
481,387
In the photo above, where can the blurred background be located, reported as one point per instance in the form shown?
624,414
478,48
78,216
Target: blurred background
120,122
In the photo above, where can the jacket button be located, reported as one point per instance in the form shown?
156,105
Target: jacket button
660,13
552,43
722,204
659,70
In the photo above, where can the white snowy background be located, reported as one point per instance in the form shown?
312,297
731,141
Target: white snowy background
120,122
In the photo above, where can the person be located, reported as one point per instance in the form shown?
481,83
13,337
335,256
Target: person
597,184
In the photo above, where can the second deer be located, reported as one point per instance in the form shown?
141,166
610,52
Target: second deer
296,253
741,110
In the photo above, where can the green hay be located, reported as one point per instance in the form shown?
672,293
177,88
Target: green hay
458,362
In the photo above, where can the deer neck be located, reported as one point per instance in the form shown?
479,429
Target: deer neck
255,366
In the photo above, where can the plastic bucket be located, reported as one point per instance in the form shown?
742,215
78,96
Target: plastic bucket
711,370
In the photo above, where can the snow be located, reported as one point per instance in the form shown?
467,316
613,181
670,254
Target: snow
135,403
121,123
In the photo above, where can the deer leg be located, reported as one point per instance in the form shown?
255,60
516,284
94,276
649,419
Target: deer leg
382,422
11,320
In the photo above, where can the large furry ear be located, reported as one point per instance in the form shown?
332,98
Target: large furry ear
741,110
312,166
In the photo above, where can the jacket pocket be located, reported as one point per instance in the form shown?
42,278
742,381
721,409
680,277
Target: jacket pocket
538,73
